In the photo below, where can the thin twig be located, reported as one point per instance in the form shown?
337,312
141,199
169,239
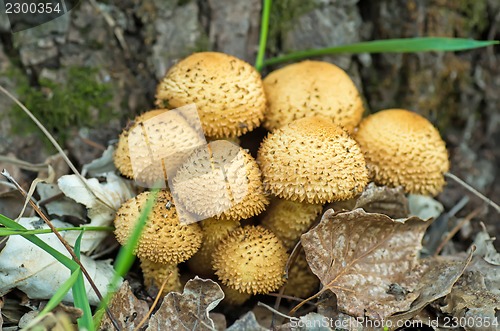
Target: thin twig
42,215
474,191
274,311
457,228
289,297
155,302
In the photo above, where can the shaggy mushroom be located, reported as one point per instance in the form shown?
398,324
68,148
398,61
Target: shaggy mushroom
289,219
155,274
311,88
160,141
251,260
403,148
164,239
214,231
312,160
220,180
301,281
227,91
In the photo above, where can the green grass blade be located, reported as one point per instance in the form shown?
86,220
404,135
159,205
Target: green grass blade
10,232
264,29
126,256
404,45
67,262
80,297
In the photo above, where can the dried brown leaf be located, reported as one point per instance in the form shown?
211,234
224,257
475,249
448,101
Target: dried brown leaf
189,310
439,275
362,256
126,309
471,302
378,199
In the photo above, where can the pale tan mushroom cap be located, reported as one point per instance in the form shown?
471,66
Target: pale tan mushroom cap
214,231
403,148
157,273
251,260
302,282
311,88
289,219
227,91
164,239
233,297
220,180
312,160
161,141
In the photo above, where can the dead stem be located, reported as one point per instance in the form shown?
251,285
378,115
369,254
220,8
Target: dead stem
473,191
155,302
457,228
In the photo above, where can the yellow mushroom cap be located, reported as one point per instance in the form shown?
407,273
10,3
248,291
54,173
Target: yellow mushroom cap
227,91
220,180
233,297
161,141
288,220
157,273
301,282
214,231
311,88
164,239
251,260
403,148
312,160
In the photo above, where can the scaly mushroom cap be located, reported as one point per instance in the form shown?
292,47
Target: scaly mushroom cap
251,260
288,220
301,281
311,88
157,273
403,148
168,138
164,239
227,91
220,180
214,231
233,297
312,160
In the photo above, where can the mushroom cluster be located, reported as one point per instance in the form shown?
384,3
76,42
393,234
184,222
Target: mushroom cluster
318,150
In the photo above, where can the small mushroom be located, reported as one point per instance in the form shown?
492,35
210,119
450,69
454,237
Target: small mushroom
227,91
160,141
311,88
233,297
155,274
164,239
220,180
251,260
403,148
312,160
214,231
288,220
301,281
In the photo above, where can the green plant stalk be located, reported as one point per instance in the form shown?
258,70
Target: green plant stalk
10,232
126,257
403,45
264,29
80,297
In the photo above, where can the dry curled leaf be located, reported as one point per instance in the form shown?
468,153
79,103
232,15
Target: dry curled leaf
189,310
438,275
127,310
367,260
378,199
309,322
